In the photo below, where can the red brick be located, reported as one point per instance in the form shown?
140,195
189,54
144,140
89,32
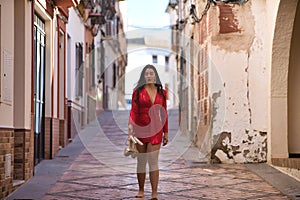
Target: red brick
4,140
227,21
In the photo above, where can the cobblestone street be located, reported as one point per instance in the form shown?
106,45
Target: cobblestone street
100,171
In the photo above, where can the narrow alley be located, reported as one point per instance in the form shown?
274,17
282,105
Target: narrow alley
226,71
92,169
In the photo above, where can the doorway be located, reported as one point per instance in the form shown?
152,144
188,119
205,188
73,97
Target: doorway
294,92
39,88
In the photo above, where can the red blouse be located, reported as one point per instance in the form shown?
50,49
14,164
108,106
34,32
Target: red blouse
149,119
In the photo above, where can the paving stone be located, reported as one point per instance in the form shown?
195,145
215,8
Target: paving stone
94,174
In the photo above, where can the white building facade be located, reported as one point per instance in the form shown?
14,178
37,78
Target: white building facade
241,61
151,50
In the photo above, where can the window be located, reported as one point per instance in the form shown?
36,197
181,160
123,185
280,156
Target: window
109,28
102,60
92,66
154,58
166,63
117,24
114,75
79,69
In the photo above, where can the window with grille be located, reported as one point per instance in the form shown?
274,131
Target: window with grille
92,66
79,69
114,75
109,28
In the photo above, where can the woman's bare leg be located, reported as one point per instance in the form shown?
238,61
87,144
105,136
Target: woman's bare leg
153,152
141,168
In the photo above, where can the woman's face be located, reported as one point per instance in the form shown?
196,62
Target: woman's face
149,76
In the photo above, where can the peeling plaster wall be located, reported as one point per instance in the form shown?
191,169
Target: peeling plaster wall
238,87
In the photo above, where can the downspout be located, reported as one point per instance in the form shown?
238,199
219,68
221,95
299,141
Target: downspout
180,10
181,81
32,81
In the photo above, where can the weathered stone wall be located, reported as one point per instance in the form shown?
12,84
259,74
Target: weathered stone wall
239,83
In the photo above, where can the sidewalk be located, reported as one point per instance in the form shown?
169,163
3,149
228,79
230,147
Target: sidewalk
93,167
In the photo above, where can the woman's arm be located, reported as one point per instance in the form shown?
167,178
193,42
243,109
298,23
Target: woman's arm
165,114
165,117
133,114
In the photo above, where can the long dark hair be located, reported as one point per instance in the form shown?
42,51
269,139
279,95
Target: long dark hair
142,82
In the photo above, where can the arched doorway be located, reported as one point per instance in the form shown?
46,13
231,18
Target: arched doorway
294,91
283,85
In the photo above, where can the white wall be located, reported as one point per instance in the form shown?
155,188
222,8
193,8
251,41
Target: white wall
239,71
75,31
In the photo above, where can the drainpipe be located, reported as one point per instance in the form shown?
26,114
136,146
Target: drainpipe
32,81
180,11
181,81
180,51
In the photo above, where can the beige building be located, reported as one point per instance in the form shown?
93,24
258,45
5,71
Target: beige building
151,46
33,107
49,77
238,91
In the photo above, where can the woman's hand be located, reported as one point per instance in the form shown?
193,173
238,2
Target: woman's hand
130,130
165,139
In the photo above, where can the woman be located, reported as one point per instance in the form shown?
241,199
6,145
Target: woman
149,122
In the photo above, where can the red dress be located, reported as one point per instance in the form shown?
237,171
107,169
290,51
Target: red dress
149,119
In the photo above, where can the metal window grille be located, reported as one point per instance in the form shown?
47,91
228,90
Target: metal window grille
79,70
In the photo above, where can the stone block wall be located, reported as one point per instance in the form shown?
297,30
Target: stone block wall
19,155
55,136
48,132
52,127
6,161
23,154
28,154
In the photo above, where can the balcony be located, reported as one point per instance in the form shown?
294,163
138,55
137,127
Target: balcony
97,18
66,3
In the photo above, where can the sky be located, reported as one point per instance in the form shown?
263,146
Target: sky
147,14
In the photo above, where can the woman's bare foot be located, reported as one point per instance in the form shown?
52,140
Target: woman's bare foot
140,194
154,196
